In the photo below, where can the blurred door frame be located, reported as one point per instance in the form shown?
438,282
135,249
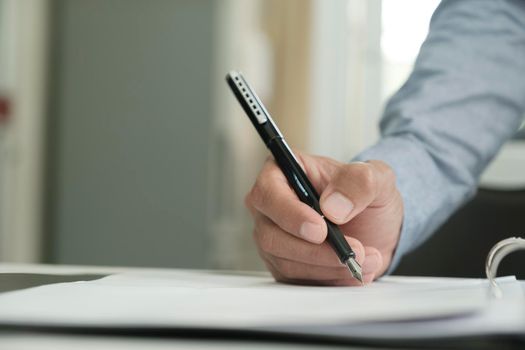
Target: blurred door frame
24,32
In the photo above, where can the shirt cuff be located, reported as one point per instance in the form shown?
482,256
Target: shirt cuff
407,161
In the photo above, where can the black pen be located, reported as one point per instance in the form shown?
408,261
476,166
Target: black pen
288,164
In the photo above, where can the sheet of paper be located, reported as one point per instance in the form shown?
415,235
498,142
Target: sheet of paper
217,300
505,316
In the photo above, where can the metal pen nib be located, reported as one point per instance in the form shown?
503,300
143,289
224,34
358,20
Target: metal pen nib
355,269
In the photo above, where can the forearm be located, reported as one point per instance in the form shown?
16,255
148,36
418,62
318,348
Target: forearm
464,99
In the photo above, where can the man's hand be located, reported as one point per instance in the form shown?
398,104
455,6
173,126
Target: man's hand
361,197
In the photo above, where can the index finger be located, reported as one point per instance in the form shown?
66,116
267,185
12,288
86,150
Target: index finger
273,197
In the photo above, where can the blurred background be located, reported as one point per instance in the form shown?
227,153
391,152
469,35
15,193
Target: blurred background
120,143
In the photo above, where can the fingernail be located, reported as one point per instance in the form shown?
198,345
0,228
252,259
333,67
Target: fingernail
311,232
337,206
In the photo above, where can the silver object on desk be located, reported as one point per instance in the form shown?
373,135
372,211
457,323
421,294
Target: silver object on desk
496,254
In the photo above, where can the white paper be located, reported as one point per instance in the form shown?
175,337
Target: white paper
213,300
505,316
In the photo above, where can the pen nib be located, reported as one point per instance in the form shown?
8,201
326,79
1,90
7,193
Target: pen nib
355,269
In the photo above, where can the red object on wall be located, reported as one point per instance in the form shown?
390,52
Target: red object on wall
4,110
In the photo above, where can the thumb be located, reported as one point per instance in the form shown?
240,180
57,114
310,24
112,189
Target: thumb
356,186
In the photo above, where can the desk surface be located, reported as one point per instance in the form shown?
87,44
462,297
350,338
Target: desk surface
17,276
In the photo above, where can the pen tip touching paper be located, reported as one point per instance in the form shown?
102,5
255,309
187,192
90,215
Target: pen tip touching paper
355,269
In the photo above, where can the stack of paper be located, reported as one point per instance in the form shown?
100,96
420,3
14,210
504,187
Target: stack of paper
394,307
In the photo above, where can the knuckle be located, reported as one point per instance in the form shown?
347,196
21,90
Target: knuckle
384,169
265,239
365,176
269,168
261,192
361,174
257,196
390,175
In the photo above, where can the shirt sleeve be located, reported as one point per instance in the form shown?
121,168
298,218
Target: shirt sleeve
463,100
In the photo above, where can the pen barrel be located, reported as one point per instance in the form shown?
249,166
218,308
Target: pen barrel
338,241
306,192
293,172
